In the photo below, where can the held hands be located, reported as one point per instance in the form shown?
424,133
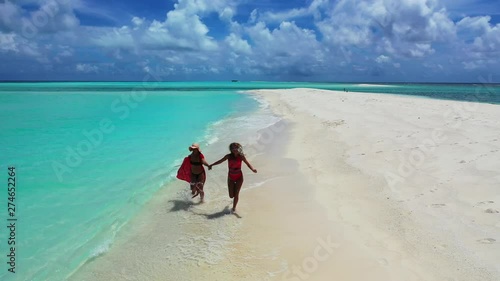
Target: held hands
210,168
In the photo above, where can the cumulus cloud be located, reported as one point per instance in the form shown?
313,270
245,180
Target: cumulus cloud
405,28
488,41
288,39
182,30
51,16
137,21
18,45
481,42
287,49
237,44
419,50
115,38
227,14
480,24
287,15
360,37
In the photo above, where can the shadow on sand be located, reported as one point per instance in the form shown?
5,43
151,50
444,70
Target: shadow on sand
180,205
220,214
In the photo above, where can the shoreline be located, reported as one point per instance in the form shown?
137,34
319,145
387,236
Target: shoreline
321,207
174,235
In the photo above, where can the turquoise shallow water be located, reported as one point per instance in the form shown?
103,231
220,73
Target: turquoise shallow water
79,182
88,156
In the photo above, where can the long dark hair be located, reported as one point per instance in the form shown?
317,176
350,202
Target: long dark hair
237,145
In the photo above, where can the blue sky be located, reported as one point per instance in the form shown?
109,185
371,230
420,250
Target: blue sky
308,40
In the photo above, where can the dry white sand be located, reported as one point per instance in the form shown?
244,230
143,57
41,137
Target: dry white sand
408,187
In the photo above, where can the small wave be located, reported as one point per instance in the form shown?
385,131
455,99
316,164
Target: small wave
261,183
101,249
211,140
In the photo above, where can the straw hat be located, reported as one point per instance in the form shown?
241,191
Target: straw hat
194,146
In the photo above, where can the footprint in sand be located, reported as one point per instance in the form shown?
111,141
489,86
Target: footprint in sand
437,205
441,247
486,241
491,211
485,202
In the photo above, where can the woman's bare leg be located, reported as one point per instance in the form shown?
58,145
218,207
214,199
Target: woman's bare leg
230,187
201,185
237,188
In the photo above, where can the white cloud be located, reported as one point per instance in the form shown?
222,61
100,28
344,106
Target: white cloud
224,8
238,44
480,24
419,50
382,59
489,42
137,21
115,38
284,16
227,14
287,15
470,65
14,43
52,16
350,36
287,40
8,43
285,49
86,68
181,30
481,42
214,70
397,27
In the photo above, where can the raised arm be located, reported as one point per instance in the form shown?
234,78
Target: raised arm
248,164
